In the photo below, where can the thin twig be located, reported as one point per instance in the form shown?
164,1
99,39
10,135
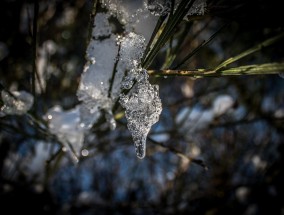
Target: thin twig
171,24
180,154
205,42
34,49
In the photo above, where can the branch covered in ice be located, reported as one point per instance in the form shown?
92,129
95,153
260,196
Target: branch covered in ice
113,65
16,104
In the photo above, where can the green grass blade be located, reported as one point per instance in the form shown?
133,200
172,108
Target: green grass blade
258,69
154,34
256,48
186,58
167,32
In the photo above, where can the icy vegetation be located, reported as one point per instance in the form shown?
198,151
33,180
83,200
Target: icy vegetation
112,73
16,102
113,66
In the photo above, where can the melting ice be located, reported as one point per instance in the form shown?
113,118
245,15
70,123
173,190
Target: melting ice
18,103
143,108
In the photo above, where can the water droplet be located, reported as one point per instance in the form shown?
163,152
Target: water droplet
85,152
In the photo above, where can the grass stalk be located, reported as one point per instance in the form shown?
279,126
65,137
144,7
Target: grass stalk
258,69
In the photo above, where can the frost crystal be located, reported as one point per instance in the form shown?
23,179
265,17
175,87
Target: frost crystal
17,104
143,108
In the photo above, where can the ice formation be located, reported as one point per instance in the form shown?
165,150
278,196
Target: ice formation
159,7
143,108
131,52
163,7
16,104
95,87
114,65
66,125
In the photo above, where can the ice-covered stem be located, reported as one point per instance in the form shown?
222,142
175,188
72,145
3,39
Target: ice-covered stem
258,69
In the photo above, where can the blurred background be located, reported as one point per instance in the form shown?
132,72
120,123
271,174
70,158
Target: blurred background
217,149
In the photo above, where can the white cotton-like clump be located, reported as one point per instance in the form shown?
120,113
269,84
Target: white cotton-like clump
222,104
281,75
16,104
102,27
143,108
66,125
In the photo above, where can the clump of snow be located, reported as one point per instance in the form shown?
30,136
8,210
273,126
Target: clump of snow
66,125
95,85
102,27
16,104
131,52
143,108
